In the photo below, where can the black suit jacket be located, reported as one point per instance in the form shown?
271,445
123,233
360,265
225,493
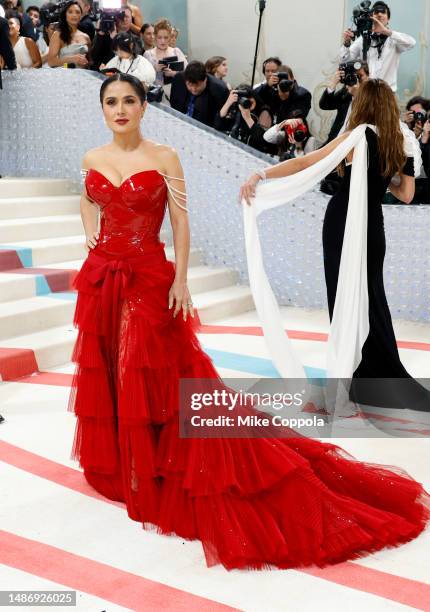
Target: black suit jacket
6,49
207,105
298,104
339,101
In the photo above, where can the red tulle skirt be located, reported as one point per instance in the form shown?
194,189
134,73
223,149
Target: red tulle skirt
253,503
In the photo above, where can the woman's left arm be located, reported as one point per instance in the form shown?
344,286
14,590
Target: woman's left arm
405,190
179,295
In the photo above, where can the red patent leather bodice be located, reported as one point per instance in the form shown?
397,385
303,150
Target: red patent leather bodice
131,214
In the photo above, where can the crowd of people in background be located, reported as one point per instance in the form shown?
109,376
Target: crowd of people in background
270,116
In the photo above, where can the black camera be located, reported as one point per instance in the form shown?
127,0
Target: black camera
285,83
420,116
155,94
350,70
108,19
244,100
51,13
362,18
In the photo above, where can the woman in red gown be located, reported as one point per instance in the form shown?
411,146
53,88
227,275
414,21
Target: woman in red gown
253,503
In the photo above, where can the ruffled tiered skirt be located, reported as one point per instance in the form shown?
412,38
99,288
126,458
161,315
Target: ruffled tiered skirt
253,503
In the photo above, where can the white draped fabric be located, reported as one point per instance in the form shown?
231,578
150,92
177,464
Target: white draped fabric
350,322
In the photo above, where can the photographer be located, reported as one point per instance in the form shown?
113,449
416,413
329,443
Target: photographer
69,45
244,117
86,24
350,75
386,45
416,114
136,20
198,94
416,118
127,61
268,91
294,101
115,23
292,138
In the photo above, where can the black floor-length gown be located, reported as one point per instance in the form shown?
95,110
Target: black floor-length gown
392,386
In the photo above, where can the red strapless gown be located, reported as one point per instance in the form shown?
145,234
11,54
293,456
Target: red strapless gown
252,502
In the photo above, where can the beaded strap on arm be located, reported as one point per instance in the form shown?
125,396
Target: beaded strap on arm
176,193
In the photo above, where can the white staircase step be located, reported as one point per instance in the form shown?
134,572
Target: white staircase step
204,278
18,208
52,346
11,187
37,228
52,342
16,286
33,314
76,264
51,250
223,303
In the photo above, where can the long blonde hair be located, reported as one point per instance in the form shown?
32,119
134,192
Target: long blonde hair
376,104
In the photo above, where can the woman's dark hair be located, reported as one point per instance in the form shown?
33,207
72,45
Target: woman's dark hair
271,60
124,41
137,85
424,102
14,15
376,104
145,27
63,26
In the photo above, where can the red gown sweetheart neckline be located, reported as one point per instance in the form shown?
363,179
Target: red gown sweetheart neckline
252,502
126,179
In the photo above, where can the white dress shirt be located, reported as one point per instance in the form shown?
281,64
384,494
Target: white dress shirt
2,13
385,67
138,67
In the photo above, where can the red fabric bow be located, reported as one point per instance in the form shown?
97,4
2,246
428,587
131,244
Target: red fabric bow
114,276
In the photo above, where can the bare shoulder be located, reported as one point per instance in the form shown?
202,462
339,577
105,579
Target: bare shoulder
165,155
93,156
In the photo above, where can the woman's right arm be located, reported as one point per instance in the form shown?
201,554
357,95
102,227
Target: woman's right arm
289,167
89,212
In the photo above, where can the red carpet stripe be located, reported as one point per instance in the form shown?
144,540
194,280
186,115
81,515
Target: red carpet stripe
58,379
295,335
49,470
117,586
403,590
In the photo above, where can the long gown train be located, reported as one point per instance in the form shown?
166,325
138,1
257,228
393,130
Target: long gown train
253,503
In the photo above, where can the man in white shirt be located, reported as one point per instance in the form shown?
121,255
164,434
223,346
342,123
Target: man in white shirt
385,49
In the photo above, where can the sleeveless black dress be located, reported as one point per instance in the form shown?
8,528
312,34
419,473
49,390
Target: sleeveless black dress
380,379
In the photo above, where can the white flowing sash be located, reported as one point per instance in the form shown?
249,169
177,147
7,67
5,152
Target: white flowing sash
350,322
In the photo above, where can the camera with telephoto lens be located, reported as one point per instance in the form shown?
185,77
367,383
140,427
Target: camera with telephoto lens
51,13
350,70
362,18
244,100
285,84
